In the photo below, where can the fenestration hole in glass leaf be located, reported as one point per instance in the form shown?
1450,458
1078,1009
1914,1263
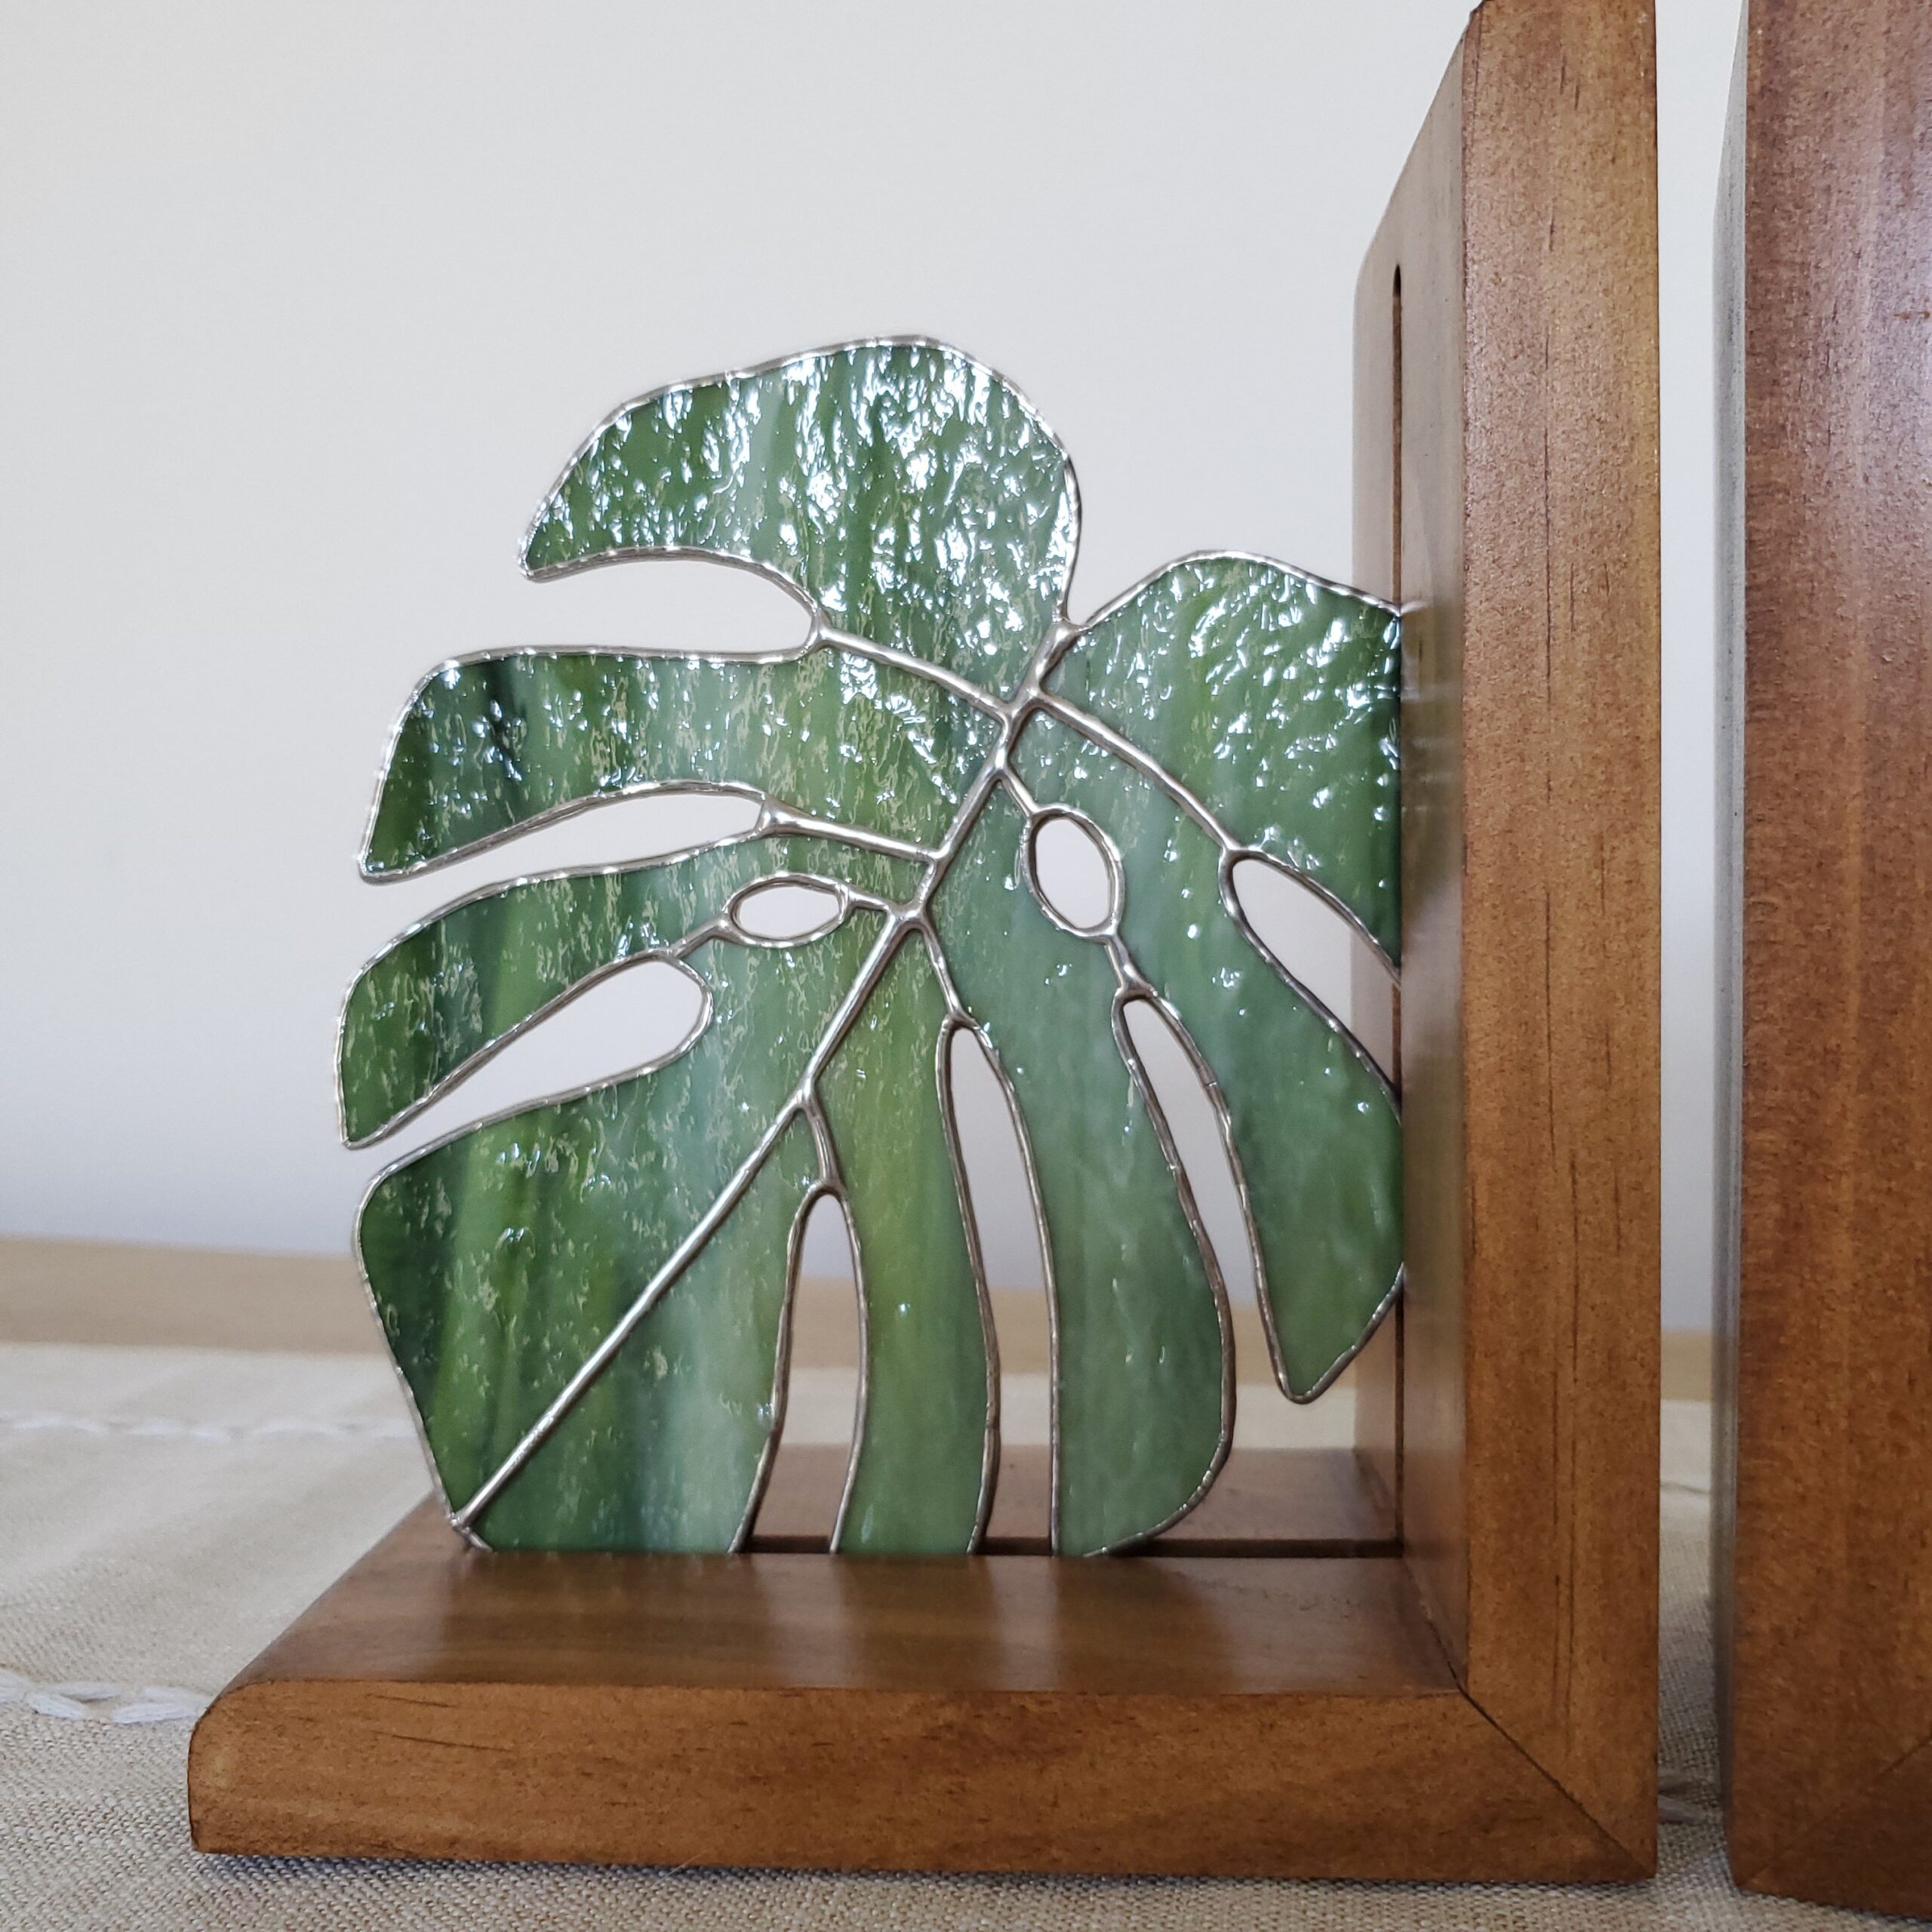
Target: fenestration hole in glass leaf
995,1167
787,912
1075,877
1195,1124
612,830
646,1014
1308,935
822,1408
680,604
584,1296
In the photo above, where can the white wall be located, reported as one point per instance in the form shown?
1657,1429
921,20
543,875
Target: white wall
303,306
1696,42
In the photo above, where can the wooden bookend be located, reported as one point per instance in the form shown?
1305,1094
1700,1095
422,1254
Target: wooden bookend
1823,1566
1476,1700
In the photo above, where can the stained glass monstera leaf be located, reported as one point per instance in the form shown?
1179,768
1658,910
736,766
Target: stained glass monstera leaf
588,1299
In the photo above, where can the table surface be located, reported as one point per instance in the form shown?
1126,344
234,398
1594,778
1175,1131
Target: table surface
164,1510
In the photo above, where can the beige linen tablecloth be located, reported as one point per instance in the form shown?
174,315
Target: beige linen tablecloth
164,1512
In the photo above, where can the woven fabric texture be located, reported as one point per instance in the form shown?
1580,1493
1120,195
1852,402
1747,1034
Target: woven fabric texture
165,1512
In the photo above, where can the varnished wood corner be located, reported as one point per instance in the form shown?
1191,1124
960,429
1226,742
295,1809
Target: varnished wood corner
1869,1854
1507,496
1179,1716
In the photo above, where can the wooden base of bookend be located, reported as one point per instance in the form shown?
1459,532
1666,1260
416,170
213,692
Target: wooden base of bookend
1172,1713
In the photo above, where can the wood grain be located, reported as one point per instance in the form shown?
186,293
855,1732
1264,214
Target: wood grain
1825,1563
1153,1715
1561,670
1522,476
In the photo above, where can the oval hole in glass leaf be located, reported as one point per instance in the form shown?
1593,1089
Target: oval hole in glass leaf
644,1015
1194,1123
1319,946
682,604
1074,877
786,912
821,1404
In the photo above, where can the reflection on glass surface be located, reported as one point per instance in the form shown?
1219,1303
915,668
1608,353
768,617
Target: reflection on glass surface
588,1297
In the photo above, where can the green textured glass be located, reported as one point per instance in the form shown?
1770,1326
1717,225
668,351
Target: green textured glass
588,1298
431,1005
669,1448
500,745
1320,1140
1273,697
922,1469
500,1260
1144,1388
912,498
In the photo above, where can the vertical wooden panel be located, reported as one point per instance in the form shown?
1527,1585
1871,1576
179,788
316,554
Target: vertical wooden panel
1524,231
1378,1417
1728,324
1829,1622
1378,550
1561,921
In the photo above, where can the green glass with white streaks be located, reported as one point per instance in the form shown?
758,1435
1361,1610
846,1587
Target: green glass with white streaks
1274,698
915,499
1141,1389
1318,1135
449,990
498,744
667,1449
501,1260
925,1439
919,506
